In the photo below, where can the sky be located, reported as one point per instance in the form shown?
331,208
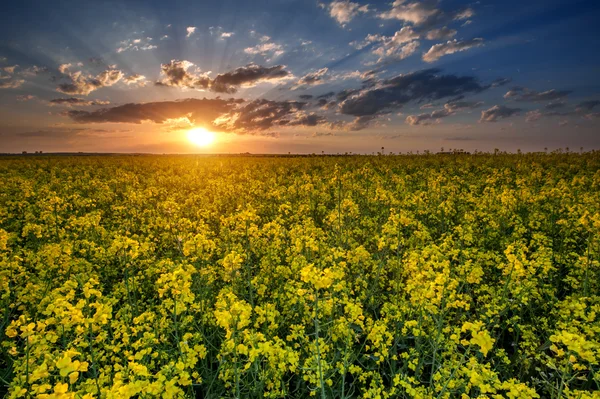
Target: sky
299,76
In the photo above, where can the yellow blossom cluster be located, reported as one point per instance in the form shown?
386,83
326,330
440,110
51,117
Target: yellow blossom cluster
414,276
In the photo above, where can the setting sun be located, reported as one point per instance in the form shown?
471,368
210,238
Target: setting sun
201,137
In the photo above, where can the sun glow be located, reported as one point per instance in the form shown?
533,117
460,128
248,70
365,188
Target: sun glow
201,137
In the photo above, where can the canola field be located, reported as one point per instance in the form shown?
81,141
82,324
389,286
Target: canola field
421,276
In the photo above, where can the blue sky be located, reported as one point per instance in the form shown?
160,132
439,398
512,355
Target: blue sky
407,75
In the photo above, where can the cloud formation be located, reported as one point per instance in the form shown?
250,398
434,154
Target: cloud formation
135,79
313,78
399,46
176,74
140,44
524,94
344,11
443,33
451,46
390,94
498,112
76,102
196,110
248,75
450,108
265,49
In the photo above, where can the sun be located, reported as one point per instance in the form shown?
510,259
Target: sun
200,136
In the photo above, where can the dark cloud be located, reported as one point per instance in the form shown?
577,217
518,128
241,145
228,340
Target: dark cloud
264,114
326,95
390,94
313,78
498,112
427,118
500,82
450,108
247,75
305,96
451,46
76,102
229,115
424,14
587,105
35,70
322,134
176,74
200,110
524,94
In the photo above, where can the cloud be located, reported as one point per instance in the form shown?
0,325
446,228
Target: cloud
387,95
322,134
427,118
254,117
392,46
455,106
498,112
450,108
190,31
394,51
425,13
248,75
26,97
176,74
533,116
10,69
83,85
64,68
444,33
196,110
262,114
525,94
35,70
135,79
344,11
326,95
10,83
219,32
555,105
76,102
500,82
141,44
313,78
451,46
265,49
305,97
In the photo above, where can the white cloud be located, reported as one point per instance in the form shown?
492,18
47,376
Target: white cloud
344,11
452,46
190,31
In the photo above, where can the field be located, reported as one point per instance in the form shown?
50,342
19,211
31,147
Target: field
415,276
